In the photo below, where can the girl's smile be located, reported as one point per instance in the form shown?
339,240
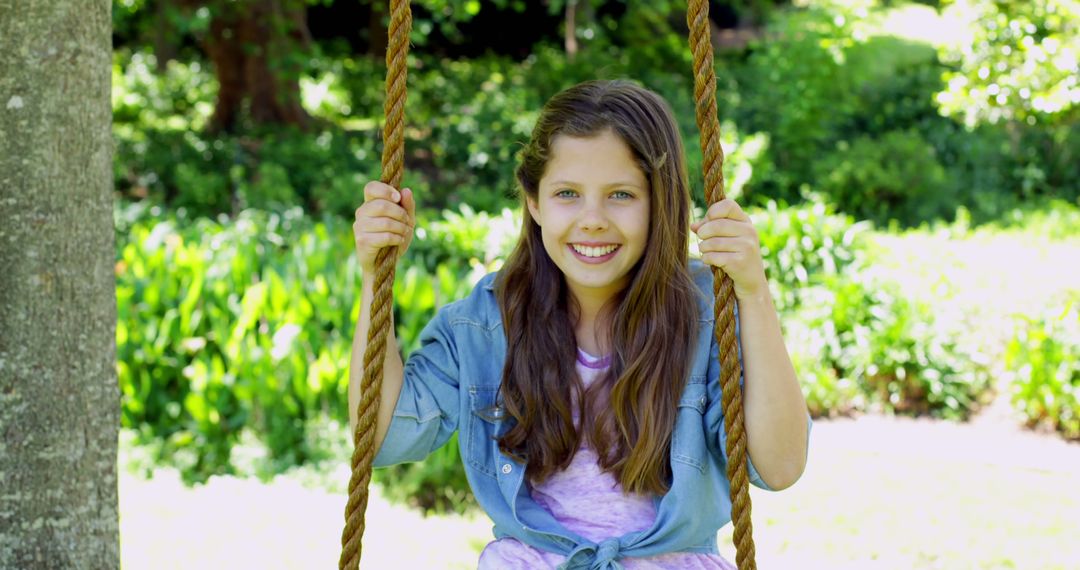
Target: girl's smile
594,253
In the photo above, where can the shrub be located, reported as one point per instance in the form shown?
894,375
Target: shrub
246,325
1042,359
805,244
828,392
897,176
901,358
793,87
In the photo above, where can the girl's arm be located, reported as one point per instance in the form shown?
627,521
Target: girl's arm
773,403
392,367
385,219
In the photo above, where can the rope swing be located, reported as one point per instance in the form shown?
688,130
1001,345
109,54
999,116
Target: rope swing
697,18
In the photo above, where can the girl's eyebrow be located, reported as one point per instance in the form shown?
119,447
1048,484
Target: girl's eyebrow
612,185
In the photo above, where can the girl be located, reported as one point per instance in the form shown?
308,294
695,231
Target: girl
583,376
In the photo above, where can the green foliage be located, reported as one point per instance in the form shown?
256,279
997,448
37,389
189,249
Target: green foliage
1019,65
898,354
793,87
179,99
1042,358
805,244
836,102
1056,219
240,331
245,325
828,392
894,177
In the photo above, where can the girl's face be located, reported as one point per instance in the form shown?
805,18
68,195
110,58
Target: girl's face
592,207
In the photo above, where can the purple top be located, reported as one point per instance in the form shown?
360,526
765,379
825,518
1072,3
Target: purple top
571,497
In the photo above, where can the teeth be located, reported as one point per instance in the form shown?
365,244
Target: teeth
593,251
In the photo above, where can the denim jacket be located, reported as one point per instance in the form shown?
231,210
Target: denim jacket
452,383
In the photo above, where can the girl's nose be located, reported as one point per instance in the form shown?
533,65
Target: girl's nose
592,219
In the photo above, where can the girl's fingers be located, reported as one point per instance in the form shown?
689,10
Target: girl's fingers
727,208
377,225
722,259
408,201
384,239
375,189
382,209
730,244
722,228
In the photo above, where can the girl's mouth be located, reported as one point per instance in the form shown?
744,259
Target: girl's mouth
594,254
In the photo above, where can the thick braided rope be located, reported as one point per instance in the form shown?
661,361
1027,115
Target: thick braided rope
697,17
382,303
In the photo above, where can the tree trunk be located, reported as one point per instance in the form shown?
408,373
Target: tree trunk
59,400
570,29
378,35
253,45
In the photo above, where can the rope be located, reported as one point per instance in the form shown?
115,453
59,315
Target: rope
382,303
697,18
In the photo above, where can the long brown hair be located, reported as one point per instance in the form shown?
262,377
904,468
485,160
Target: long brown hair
652,323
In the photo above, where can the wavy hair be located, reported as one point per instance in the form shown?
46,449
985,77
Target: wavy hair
628,414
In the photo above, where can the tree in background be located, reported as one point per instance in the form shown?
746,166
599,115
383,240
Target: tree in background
59,400
257,48
1018,68
260,48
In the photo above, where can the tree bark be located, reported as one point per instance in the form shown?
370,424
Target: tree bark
59,400
570,29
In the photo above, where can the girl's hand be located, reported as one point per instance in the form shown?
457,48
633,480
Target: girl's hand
386,218
730,242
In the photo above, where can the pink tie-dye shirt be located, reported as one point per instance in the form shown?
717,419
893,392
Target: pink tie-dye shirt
572,497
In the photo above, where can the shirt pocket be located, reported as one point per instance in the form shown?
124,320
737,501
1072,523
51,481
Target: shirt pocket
688,440
481,449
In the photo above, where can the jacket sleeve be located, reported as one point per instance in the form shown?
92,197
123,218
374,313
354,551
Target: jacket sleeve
426,414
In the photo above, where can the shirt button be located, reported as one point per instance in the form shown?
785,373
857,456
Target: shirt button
506,469
703,400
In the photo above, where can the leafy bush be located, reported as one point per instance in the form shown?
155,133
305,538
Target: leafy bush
805,244
900,357
225,327
895,177
828,392
793,87
234,331
1042,358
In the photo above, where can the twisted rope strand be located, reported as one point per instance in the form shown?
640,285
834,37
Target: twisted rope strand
382,303
697,18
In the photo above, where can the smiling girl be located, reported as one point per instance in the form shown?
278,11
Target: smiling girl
583,376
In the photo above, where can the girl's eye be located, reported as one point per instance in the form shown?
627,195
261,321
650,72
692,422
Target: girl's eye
622,195
565,193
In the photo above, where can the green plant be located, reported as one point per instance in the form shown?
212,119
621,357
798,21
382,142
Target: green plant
899,355
897,176
1042,358
804,244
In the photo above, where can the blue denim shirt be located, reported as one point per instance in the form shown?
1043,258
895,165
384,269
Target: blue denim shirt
452,382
